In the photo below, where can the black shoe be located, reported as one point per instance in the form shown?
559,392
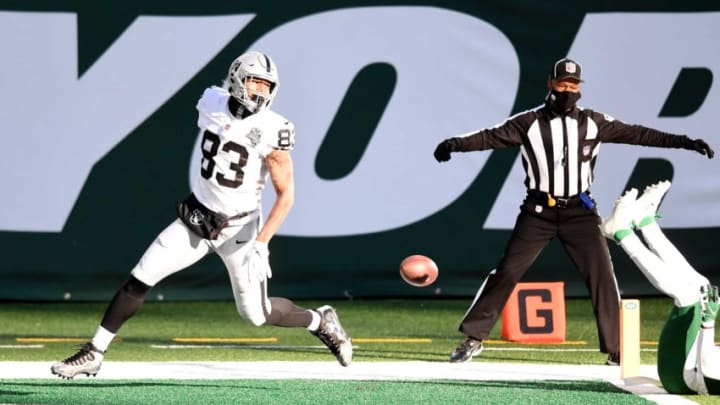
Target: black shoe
613,359
468,348
332,334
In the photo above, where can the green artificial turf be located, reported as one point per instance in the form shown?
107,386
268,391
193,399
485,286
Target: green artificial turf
432,322
193,392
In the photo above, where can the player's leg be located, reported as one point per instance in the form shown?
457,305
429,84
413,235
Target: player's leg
253,304
710,360
677,347
677,344
588,250
645,220
250,294
677,350
534,229
708,353
701,370
322,322
618,226
174,249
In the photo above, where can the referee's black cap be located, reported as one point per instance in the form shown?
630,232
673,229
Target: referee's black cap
565,68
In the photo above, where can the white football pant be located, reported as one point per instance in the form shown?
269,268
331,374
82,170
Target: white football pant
176,248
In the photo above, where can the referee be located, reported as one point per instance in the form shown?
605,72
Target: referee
559,143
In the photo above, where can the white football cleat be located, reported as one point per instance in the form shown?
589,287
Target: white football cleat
86,361
619,223
648,203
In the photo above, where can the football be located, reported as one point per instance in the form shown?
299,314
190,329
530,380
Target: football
418,270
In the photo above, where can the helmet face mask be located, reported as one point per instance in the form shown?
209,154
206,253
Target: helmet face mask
248,66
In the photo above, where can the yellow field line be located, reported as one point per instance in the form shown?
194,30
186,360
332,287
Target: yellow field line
391,340
51,340
507,342
225,340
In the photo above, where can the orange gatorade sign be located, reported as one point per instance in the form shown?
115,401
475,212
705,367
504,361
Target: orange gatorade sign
535,313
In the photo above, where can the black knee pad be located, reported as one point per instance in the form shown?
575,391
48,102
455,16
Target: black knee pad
135,288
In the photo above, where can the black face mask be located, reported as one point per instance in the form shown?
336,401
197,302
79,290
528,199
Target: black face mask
562,101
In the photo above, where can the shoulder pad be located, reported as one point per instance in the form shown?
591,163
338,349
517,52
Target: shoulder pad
280,132
213,99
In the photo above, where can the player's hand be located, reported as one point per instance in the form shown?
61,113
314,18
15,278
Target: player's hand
701,147
443,150
257,261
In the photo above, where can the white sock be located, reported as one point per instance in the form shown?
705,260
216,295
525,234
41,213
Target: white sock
102,338
315,323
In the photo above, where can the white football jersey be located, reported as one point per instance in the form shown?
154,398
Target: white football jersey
232,167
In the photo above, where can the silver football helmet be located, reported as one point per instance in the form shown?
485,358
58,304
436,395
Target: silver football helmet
252,64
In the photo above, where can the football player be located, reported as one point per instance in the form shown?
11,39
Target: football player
687,360
243,142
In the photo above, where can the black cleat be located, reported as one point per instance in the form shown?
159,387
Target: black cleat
469,348
332,334
613,359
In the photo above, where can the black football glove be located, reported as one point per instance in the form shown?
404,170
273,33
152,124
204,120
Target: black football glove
701,147
443,150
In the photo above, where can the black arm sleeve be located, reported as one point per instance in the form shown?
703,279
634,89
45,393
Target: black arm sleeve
613,131
506,135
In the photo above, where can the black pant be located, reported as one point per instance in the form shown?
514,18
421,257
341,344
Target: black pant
578,231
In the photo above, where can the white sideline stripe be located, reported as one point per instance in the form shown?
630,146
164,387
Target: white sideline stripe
22,346
646,386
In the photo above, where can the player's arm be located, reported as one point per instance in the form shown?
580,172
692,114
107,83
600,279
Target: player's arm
280,166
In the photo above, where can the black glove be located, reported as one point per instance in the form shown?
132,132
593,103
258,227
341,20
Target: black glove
443,150
701,147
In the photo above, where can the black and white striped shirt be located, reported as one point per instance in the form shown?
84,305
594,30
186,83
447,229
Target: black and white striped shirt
559,151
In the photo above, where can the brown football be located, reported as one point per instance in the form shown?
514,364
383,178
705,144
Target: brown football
418,270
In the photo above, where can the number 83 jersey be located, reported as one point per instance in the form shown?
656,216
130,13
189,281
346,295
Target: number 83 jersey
232,167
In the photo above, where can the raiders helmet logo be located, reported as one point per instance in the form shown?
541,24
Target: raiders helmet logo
196,217
254,136
570,67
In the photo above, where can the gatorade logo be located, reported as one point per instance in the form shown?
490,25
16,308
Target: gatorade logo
630,305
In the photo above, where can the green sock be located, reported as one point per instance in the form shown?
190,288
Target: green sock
621,234
648,220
